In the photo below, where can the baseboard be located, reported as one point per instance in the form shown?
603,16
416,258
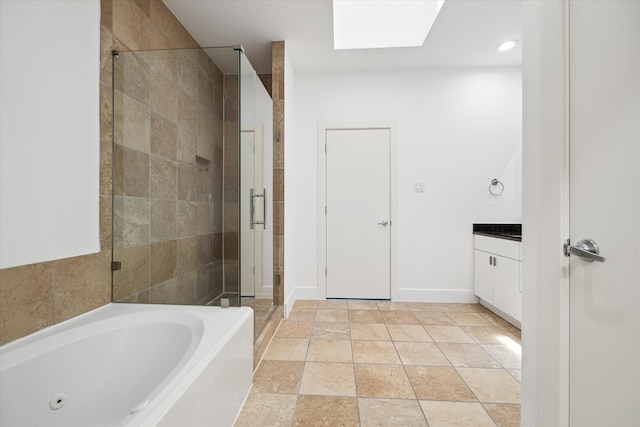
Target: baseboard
299,293
437,295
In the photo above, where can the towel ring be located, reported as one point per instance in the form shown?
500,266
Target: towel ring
496,183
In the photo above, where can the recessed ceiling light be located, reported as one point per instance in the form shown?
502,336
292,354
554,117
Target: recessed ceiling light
364,24
508,45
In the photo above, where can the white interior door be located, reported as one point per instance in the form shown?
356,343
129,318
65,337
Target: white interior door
358,214
604,387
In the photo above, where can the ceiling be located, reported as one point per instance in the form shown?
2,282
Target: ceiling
465,34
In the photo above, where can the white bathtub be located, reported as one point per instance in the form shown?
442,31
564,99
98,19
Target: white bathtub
131,365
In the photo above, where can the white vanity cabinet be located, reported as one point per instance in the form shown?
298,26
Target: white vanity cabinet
497,274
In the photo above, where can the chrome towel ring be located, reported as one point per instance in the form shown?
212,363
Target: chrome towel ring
496,188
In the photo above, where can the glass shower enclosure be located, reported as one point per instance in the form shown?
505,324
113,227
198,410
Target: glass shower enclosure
191,179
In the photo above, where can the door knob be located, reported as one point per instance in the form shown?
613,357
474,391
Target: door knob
383,223
586,249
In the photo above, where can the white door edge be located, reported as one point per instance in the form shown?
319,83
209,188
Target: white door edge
545,322
323,127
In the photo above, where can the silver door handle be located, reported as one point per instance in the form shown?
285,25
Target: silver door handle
586,249
383,223
252,209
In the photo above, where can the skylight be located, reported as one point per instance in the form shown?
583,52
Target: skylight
366,24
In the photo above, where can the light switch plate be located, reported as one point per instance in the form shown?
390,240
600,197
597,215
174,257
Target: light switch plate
418,187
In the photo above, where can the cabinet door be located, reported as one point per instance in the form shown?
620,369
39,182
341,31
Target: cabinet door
483,276
506,287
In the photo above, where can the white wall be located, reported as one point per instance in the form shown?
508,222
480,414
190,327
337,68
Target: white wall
458,129
50,131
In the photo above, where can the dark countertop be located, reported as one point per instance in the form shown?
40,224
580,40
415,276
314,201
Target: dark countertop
500,231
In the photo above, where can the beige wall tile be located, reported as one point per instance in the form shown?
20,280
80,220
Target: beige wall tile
144,5
81,284
26,300
165,62
106,14
204,213
188,288
187,219
106,112
164,293
206,285
187,254
205,252
134,275
187,112
164,178
187,143
132,123
130,172
164,259
106,148
188,72
131,76
164,96
130,24
164,20
205,87
164,137
130,221
163,220
186,182
278,186
206,132
106,217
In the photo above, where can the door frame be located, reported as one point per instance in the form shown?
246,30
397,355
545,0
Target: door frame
545,286
323,127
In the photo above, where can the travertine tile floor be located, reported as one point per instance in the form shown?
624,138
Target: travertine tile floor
380,363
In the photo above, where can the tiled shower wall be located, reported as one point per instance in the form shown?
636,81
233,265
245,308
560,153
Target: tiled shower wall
277,94
231,186
167,177
38,295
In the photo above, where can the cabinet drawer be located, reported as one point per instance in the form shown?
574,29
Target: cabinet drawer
502,247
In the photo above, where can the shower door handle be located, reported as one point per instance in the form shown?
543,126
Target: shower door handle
252,209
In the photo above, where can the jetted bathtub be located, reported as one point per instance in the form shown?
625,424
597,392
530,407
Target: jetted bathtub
131,365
